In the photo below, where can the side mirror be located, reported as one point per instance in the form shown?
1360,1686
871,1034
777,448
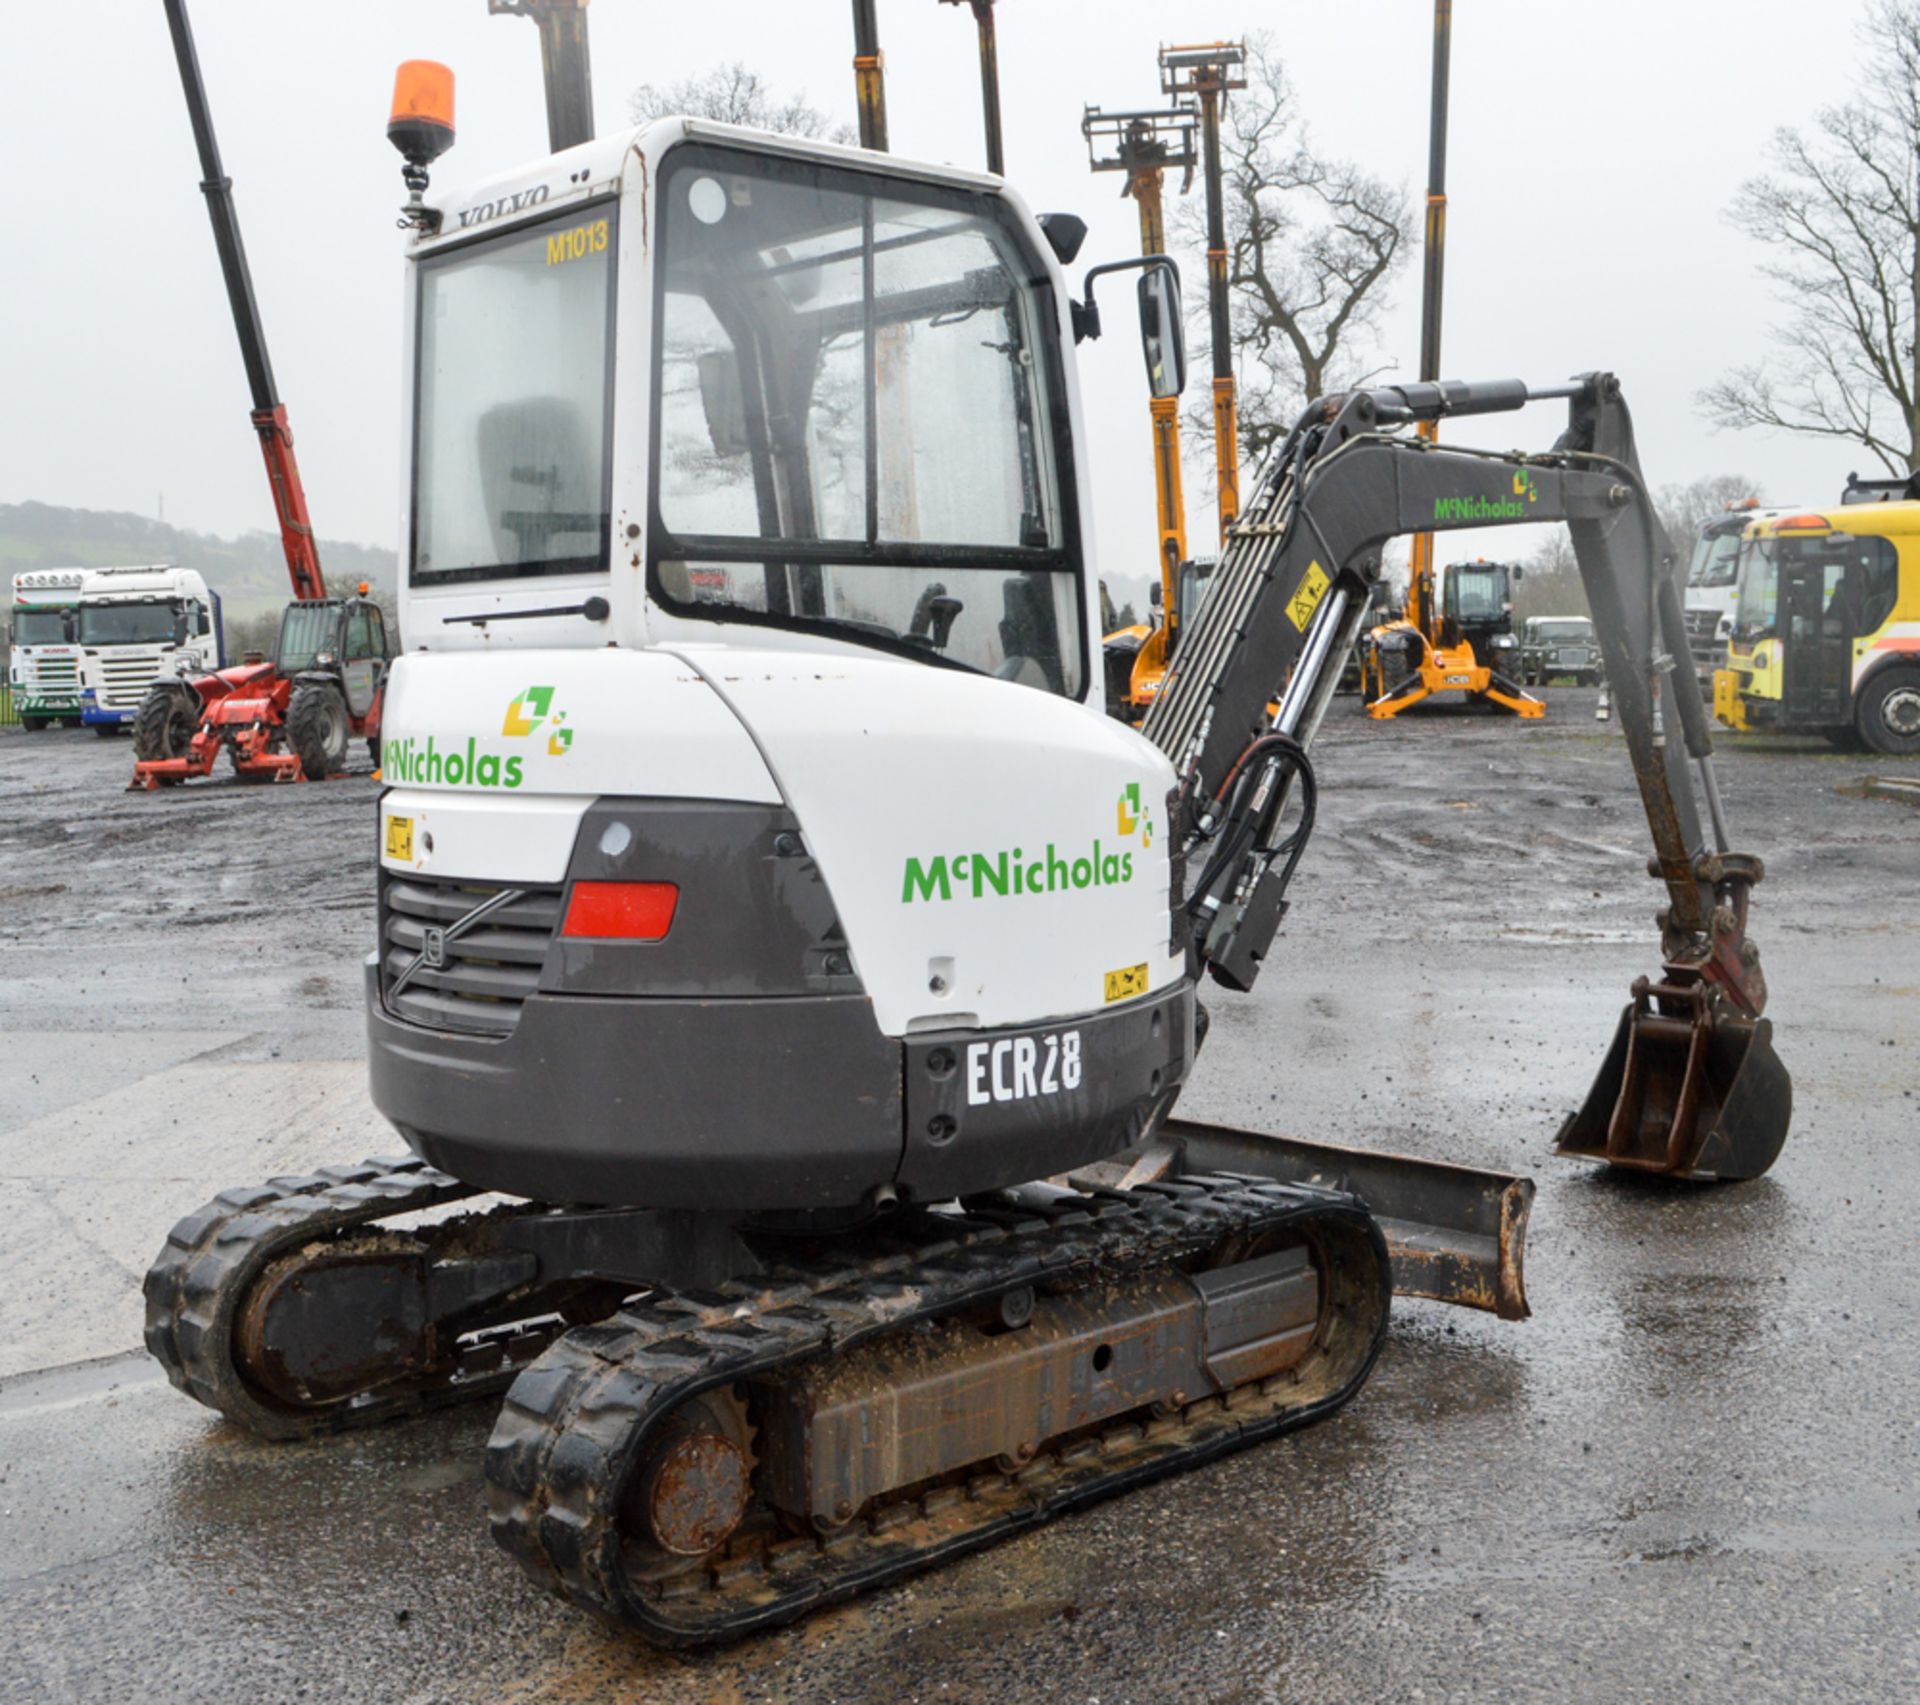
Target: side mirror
180,627
1519,574
1162,335
1153,591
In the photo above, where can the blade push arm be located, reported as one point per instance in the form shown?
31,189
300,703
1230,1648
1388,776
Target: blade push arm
269,413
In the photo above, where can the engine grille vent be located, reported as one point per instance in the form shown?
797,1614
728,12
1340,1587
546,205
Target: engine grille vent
125,680
484,971
1704,641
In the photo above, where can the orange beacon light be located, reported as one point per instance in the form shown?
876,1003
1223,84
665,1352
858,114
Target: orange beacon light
421,127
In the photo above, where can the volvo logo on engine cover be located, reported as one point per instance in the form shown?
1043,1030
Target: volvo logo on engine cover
433,947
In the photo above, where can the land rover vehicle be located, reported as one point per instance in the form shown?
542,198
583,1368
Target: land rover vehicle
1554,648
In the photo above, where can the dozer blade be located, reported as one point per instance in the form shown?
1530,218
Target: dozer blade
1454,1233
1689,1089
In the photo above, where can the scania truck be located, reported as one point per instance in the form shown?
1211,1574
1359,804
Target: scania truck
43,662
137,626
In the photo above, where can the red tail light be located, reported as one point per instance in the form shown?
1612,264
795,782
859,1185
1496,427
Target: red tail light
621,911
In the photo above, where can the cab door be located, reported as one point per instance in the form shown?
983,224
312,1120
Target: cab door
1816,645
363,658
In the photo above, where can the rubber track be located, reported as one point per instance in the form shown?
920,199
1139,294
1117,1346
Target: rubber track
196,1285
574,1422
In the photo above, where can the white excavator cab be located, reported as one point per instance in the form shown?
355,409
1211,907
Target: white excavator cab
696,384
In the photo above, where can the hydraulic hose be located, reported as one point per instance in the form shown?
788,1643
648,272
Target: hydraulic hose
1241,828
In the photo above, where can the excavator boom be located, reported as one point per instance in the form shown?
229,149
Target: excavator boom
1290,593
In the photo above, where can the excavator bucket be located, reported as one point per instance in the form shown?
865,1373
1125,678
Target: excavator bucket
1689,1089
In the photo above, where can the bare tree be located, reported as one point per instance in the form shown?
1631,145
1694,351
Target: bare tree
250,634
1553,586
1685,509
1839,215
1311,243
732,94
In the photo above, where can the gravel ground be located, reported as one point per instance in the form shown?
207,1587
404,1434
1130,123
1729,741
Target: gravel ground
1694,1474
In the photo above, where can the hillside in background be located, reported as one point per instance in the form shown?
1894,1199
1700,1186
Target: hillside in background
249,573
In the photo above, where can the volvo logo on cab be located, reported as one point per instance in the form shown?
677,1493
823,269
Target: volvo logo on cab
1016,1068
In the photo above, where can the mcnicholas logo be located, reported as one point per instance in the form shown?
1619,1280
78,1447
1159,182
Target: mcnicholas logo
425,763
529,710
1017,870
1502,508
428,764
1130,814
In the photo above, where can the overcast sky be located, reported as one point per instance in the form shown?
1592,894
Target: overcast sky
1593,150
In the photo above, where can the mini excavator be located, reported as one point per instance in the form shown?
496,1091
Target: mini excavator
770,912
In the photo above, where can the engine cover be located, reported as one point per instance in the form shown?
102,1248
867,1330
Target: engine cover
922,935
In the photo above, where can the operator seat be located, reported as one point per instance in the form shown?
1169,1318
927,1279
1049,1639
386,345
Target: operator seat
539,484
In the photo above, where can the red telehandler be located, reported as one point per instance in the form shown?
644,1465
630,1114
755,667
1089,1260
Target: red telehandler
289,718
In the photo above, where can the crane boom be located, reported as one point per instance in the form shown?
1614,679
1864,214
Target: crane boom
1208,72
1420,586
566,65
269,413
1144,145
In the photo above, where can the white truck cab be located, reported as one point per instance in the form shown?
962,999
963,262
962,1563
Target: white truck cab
43,660
1713,585
139,625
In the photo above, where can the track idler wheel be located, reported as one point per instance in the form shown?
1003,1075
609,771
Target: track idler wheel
318,1332
693,1483
1690,1089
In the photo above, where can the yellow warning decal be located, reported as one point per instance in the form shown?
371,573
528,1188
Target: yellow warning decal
400,838
577,244
1128,981
1307,595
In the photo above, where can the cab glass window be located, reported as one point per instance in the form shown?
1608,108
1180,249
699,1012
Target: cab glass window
857,417
306,631
514,403
1872,584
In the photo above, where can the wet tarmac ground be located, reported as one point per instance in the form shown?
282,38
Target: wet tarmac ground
1695,1473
